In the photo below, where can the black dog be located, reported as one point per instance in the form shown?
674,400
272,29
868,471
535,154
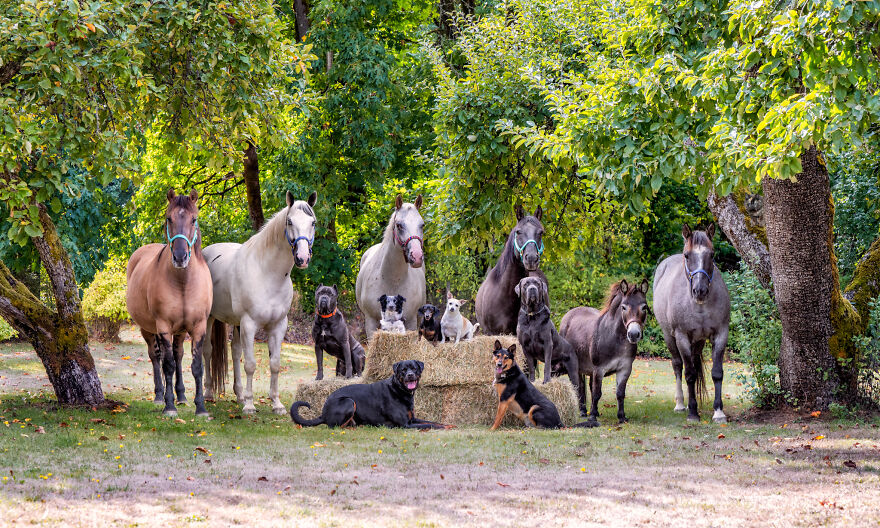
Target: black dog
430,326
537,334
331,334
517,394
386,403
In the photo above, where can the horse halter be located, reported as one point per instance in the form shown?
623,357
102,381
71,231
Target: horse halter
189,242
691,274
293,242
521,249
405,243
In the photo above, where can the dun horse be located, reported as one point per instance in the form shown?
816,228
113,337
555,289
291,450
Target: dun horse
497,303
395,266
169,294
606,342
252,290
692,305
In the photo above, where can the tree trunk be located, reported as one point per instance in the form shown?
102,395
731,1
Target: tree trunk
446,18
59,337
817,322
252,186
301,9
744,236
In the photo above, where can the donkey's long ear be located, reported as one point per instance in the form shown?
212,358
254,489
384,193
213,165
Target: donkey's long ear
313,198
685,231
194,196
623,287
644,286
710,230
398,202
418,202
171,194
289,198
519,212
539,213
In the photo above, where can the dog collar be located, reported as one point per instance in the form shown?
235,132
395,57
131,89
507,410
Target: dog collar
328,316
532,314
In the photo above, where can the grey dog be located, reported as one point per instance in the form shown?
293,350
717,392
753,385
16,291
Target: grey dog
331,335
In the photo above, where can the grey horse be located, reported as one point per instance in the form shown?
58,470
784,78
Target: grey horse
692,305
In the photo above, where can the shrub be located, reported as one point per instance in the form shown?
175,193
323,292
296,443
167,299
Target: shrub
868,359
104,301
755,337
6,331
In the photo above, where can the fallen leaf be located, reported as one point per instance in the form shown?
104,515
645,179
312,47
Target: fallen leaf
189,478
850,464
778,461
544,460
815,414
441,476
262,479
721,435
98,420
126,357
179,420
40,430
286,487
503,485
819,437
63,424
207,461
203,450
103,438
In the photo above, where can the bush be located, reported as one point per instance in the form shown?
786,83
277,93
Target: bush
868,360
104,301
755,337
6,331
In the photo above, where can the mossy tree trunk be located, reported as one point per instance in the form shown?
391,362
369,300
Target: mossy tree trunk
252,186
750,242
59,336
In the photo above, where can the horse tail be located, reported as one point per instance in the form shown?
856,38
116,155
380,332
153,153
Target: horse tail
219,358
297,419
700,369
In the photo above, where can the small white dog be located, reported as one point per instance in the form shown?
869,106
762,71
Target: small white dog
455,324
392,313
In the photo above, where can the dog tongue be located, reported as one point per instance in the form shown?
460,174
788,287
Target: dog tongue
411,385
498,370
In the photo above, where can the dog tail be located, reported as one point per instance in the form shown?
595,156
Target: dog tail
476,326
532,412
294,415
219,357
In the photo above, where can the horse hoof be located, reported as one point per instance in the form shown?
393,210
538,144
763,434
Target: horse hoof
249,410
279,410
170,413
159,401
680,408
719,417
181,403
203,414
622,421
693,419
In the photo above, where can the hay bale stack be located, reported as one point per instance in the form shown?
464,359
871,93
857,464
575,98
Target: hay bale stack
316,393
468,362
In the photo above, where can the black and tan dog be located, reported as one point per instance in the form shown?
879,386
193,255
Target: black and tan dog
517,394
330,334
537,334
429,328
386,403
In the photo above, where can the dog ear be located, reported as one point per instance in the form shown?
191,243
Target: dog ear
539,213
519,212
512,350
395,367
644,286
401,299
398,202
382,300
418,202
546,292
710,230
335,290
462,302
448,295
421,311
498,345
313,198
421,366
685,231
516,290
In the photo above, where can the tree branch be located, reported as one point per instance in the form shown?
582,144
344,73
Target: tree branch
58,267
732,220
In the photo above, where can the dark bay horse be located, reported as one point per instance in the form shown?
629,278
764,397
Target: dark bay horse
692,305
169,293
606,342
497,303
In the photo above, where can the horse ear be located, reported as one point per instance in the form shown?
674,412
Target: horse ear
623,286
194,196
539,213
418,202
398,202
519,212
289,198
313,198
685,231
644,286
171,194
710,230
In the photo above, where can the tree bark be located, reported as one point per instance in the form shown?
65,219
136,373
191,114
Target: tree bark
59,337
252,186
748,244
446,18
301,9
817,322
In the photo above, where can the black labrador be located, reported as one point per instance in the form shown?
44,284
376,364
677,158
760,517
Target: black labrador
386,403
537,334
331,334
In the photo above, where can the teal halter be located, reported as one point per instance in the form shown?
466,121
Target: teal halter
189,242
522,249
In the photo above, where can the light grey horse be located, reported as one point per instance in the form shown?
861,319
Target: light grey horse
692,305
252,290
394,267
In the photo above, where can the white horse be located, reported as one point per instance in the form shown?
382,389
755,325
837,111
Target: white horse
252,290
394,266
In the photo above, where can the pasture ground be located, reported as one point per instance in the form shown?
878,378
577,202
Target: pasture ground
131,467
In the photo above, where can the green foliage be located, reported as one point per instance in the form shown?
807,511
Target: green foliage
868,358
103,303
855,185
755,337
6,331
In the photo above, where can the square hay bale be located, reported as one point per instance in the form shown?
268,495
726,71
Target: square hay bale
316,393
446,364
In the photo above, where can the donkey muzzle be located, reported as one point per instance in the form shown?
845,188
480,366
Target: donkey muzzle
633,332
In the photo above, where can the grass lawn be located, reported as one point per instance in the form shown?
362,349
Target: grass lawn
133,467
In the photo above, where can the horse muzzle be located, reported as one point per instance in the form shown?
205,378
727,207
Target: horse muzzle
416,258
180,262
633,332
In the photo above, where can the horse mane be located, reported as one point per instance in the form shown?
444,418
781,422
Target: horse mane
613,290
265,238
